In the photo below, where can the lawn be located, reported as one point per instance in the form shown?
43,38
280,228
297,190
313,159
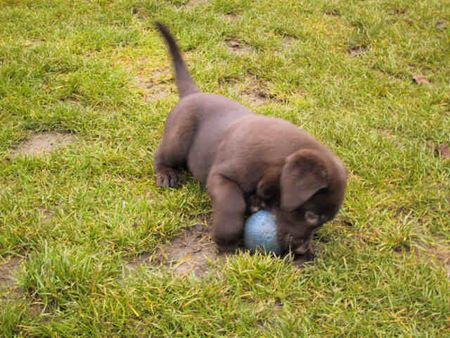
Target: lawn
85,87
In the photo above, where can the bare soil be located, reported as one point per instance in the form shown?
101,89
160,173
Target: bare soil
238,47
43,143
357,50
155,85
190,252
7,273
194,3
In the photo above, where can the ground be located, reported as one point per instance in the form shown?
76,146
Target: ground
89,246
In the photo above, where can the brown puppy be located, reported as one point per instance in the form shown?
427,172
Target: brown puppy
241,156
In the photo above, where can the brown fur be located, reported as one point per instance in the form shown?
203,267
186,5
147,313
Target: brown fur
248,160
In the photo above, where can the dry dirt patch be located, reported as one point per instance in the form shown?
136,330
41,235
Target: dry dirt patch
421,80
398,11
355,51
190,252
194,3
230,16
256,97
154,92
438,252
258,93
238,47
155,85
441,25
42,143
333,12
9,288
288,41
443,150
7,273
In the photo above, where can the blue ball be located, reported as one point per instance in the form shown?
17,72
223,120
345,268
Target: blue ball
261,232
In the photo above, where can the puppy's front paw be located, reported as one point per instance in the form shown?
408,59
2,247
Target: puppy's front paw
300,260
255,204
167,178
227,249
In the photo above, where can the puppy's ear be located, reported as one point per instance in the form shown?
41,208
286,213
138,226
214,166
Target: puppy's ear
304,173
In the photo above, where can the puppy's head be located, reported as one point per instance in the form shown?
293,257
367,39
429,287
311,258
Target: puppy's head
312,186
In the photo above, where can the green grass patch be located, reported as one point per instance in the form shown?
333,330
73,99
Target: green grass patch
343,70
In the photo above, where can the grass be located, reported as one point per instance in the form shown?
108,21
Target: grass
342,70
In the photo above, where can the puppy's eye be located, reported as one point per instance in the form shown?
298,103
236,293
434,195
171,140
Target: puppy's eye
311,218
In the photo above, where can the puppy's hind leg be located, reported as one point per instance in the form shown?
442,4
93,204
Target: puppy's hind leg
174,148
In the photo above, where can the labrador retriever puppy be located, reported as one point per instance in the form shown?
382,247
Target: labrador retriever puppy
241,157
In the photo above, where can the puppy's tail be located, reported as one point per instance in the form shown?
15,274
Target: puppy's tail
185,84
